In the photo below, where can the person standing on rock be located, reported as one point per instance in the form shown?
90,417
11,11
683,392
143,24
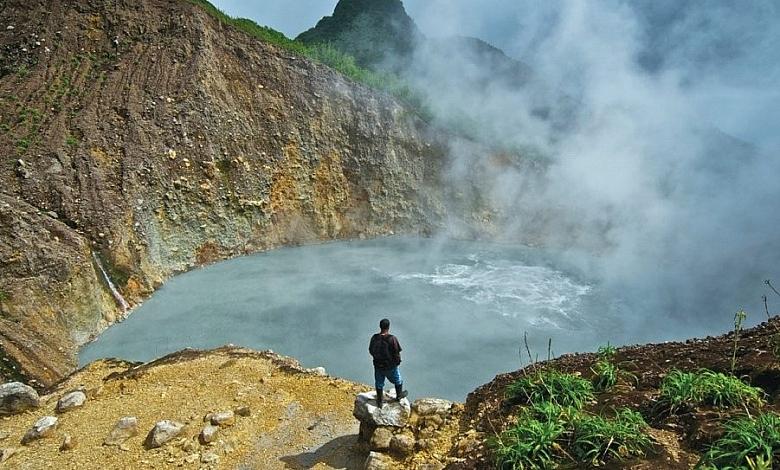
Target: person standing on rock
386,352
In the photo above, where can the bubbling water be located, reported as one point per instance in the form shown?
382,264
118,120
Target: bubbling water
460,309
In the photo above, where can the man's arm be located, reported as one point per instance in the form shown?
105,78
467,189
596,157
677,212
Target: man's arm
397,350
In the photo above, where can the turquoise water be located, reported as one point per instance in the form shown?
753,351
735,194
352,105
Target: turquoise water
459,309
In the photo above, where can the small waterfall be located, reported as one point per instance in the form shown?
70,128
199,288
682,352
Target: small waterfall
111,287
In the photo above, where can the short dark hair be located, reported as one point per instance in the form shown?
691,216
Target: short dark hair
384,324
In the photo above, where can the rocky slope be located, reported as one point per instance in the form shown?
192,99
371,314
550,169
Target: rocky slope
142,138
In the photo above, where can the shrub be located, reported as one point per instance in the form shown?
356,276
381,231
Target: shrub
551,386
607,352
598,439
747,443
689,389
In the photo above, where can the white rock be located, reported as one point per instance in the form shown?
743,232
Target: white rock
71,400
42,428
209,457
209,434
319,371
162,433
431,406
16,397
9,27
393,413
124,429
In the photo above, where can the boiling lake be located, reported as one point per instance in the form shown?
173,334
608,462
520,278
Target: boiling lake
459,309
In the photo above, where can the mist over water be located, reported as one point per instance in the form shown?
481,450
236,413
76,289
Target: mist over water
459,309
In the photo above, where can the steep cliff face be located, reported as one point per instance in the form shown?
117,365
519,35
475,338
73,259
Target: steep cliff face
143,138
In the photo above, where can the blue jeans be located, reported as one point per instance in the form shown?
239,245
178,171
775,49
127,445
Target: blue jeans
393,375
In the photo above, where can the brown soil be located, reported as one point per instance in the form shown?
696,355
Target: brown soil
680,437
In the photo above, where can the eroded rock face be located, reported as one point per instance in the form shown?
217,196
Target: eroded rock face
162,433
16,397
393,413
236,148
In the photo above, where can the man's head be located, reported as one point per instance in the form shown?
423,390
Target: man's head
384,324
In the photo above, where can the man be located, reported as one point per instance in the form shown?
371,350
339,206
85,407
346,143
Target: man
386,351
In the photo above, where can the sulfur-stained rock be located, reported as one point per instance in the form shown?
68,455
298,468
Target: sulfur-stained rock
71,400
223,418
123,430
209,458
7,453
162,433
393,413
377,461
402,444
381,439
68,443
42,428
243,411
16,397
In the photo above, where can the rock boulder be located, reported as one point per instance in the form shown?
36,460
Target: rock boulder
42,428
123,430
393,413
71,400
162,433
16,397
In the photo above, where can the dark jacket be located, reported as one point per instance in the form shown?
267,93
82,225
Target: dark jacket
385,350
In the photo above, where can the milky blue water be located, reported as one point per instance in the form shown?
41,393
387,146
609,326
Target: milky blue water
459,309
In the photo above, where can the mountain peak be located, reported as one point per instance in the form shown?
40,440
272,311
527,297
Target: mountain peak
378,33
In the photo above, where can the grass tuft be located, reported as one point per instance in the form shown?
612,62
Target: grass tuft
598,439
690,389
551,386
529,444
749,443
607,375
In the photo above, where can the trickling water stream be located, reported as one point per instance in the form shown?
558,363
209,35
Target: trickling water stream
459,309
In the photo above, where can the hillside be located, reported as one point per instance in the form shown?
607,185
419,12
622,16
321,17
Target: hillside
143,138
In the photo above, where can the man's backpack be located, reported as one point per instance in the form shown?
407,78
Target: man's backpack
382,350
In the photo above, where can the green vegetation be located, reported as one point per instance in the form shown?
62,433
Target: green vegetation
597,439
690,389
748,443
606,375
551,386
775,345
607,352
323,53
71,141
4,297
530,443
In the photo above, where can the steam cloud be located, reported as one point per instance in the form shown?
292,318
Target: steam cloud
660,158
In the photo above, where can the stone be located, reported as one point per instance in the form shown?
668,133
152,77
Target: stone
7,453
209,458
162,433
318,371
42,428
223,418
381,439
402,444
71,400
68,443
192,458
16,397
393,413
123,430
377,461
243,411
432,406
208,434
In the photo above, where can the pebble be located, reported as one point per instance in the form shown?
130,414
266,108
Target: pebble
42,428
